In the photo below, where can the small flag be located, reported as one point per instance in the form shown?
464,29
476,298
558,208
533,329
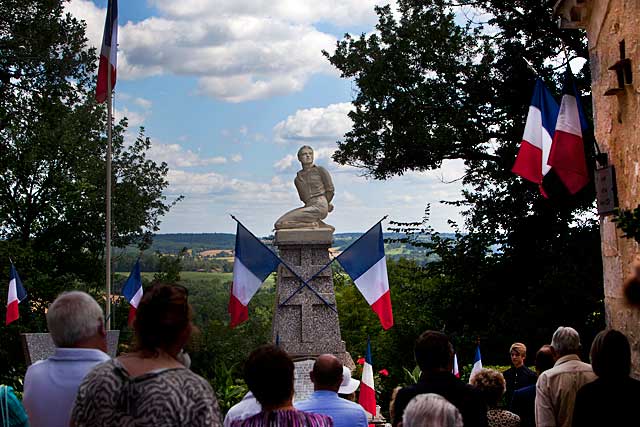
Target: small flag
567,156
366,264
253,263
15,296
132,290
367,397
531,163
477,362
108,52
455,371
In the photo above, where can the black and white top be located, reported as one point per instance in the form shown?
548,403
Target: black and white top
108,396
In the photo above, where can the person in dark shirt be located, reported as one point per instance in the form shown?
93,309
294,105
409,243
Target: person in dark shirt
518,376
611,399
434,355
524,399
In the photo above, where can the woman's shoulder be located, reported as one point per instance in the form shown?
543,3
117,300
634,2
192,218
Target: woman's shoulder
502,418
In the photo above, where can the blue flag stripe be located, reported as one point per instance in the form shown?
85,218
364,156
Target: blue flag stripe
549,108
364,253
20,290
133,283
254,255
367,356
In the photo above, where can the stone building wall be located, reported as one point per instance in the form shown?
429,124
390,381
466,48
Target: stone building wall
617,129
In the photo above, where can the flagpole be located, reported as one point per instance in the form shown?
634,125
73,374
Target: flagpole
108,199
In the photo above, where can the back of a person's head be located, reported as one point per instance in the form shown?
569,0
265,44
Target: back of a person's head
327,372
163,318
611,355
565,341
431,410
491,384
74,317
269,375
545,359
433,351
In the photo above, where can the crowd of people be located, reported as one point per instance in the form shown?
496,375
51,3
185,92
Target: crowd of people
80,385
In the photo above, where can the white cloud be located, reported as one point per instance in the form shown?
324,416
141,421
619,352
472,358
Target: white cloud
143,103
323,125
286,163
135,118
176,156
236,158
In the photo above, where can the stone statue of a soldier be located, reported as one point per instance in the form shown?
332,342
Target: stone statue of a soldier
316,191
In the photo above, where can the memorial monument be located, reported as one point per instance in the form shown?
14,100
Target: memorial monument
305,322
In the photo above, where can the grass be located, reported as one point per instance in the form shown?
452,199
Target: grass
187,277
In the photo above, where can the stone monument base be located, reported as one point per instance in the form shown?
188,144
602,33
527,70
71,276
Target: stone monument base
39,346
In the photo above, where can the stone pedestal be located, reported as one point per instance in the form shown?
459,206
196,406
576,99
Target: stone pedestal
39,346
305,327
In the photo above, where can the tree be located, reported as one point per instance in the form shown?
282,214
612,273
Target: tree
52,170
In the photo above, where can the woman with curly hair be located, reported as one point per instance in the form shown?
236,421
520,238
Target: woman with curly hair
492,385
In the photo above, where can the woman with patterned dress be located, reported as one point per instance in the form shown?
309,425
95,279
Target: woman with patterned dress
150,387
492,385
269,375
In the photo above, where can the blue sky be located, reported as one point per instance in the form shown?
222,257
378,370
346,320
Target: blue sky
228,90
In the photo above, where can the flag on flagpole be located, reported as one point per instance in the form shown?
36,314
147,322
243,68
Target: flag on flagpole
455,371
253,263
366,264
567,156
108,52
367,397
477,362
15,296
132,290
531,163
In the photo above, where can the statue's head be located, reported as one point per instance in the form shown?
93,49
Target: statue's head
305,154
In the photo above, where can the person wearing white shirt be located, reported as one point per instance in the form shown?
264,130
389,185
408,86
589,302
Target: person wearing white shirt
246,408
76,324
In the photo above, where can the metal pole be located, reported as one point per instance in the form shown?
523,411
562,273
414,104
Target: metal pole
108,197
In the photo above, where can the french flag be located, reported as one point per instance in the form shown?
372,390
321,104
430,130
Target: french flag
366,264
16,295
567,156
532,160
367,397
254,262
132,290
108,52
477,362
455,371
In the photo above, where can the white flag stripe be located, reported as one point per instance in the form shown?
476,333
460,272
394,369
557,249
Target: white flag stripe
245,283
13,292
569,117
536,135
136,298
367,375
374,282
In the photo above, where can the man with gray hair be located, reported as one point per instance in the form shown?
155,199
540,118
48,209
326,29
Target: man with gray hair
557,387
76,324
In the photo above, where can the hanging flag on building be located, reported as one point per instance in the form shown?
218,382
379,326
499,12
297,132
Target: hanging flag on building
366,264
15,296
567,155
253,263
477,362
367,397
455,371
108,52
531,163
132,290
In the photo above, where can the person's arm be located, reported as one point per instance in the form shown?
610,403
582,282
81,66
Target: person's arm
544,406
329,189
302,192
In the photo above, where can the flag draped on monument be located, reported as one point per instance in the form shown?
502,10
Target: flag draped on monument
367,397
15,296
132,290
253,263
366,264
108,52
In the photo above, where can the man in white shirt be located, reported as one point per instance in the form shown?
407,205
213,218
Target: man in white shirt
76,324
557,387
246,408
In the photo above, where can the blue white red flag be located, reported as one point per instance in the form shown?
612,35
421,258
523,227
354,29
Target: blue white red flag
567,156
366,264
477,362
455,371
16,295
108,52
132,290
367,397
253,263
532,160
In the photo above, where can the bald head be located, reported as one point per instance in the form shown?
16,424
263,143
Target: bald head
327,373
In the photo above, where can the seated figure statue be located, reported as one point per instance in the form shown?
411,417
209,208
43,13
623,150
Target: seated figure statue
315,189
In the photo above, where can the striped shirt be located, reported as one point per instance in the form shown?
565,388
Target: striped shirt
285,418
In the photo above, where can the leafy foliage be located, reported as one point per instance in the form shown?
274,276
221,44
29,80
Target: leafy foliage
628,220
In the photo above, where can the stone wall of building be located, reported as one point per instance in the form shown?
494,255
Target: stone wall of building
617,129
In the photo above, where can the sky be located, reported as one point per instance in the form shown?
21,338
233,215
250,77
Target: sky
228,90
